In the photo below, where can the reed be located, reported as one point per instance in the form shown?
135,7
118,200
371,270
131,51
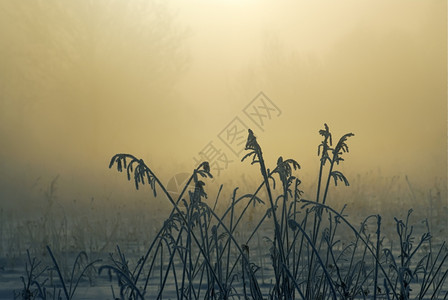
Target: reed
315,252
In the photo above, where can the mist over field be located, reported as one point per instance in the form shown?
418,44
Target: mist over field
81,81
329,103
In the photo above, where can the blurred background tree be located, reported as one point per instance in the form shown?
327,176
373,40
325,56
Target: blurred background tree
74,73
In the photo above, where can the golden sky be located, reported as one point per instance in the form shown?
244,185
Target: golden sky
83,80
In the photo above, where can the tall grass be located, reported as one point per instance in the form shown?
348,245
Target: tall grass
308,250
39,282
198,253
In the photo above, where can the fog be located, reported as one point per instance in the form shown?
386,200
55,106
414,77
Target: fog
83,80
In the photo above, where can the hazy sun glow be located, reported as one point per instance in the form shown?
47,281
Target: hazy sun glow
81,81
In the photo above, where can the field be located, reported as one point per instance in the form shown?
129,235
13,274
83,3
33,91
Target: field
277,241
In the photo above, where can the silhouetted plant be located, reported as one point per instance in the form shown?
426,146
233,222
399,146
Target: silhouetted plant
33,282
315,252
80,267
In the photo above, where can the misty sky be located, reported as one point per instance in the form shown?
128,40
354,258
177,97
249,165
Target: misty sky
83,80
